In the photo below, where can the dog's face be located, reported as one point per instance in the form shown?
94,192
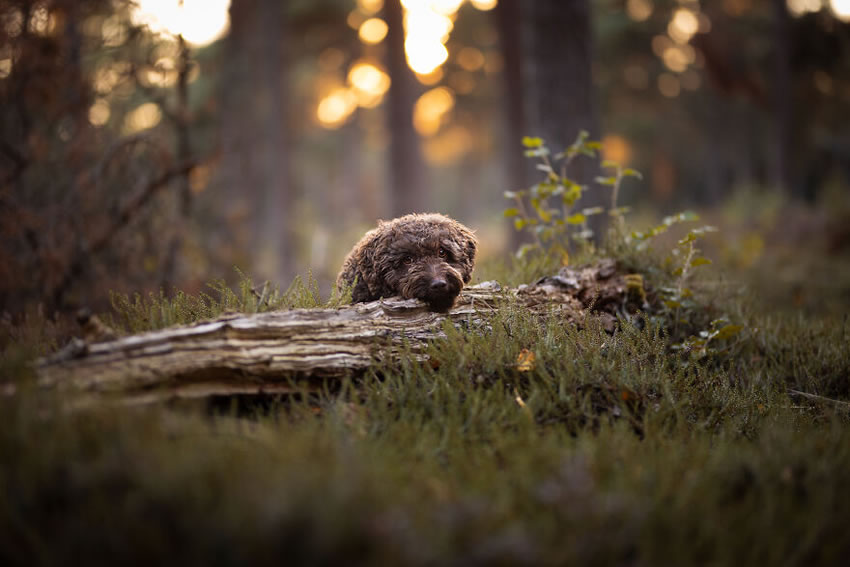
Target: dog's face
430,261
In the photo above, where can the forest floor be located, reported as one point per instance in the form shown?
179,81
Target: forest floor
538,443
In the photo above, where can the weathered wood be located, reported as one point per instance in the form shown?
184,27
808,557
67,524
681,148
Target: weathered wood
266,353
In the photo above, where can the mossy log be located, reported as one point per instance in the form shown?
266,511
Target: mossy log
268,353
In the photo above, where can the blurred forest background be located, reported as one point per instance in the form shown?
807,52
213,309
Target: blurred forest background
157,143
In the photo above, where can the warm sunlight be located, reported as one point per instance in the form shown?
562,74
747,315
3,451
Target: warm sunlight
841,9
427,25
373,30
639,10
334,109
801,7
5,67
201,22
683,25
99,112
369,82
429,110
144,117
484,5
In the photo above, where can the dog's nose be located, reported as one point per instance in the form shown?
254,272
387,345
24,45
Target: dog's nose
438,284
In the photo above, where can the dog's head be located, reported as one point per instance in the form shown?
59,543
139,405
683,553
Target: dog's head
428,257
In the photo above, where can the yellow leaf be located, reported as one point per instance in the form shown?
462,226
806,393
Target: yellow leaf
525,361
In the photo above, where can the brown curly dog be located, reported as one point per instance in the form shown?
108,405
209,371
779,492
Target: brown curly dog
423,256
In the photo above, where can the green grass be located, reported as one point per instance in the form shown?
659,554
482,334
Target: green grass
610,450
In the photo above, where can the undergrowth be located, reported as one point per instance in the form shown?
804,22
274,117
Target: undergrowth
522,441
604,450
138,313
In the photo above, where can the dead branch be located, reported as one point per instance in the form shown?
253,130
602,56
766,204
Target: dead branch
77,266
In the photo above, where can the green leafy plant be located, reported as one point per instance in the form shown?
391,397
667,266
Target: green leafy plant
547,210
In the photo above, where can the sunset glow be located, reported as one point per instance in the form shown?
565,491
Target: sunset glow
427,25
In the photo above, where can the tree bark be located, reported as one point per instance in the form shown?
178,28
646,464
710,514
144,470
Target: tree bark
268,353
782,98
255,157
508,15
407,183
558,83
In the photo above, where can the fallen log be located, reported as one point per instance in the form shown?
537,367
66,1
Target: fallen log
267,353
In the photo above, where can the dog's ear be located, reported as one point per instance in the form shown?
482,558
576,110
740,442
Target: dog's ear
368,271
469,245
377,263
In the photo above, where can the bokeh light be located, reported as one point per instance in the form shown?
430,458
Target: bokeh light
108,77
683,25
431,78
370,7
99,112
430,110
678,57
13,22
369,82
200,22
801,7
373,31
144,117
113,31
616,148
484,5
5,66
639,10
442,7
427,25
425,54
334,109
41,21
841,9
162,74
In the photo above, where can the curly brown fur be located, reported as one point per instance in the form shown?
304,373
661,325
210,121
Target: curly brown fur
423,256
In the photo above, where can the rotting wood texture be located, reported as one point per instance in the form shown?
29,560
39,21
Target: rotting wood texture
265,353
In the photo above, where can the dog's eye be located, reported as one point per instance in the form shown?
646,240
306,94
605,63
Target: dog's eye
442,253
408,260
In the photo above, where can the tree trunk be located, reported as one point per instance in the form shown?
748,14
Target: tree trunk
508,16
558,46
255,164
782,97
267,353
407,184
